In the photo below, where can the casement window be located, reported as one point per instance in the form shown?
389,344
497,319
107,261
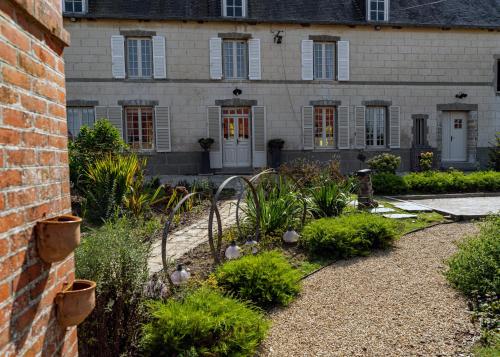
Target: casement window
376,118
324,60
139,127
74,6
378,10
139,58
235,59
234,8
419,132
78,117
324,127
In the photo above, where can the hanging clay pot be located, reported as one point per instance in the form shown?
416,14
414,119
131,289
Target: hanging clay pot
75,302
57,237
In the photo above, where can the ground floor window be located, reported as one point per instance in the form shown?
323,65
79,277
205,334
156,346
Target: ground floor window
78,117
324,127
139,126
376,126
420,132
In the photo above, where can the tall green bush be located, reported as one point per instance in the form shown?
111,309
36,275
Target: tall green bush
348,235
93,144
329,198
203,323
267,279
116,258
475,268
388,184
386,163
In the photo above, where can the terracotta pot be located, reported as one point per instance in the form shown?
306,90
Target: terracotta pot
75,302
57,237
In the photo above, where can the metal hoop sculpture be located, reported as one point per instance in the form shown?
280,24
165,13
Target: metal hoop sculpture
214,210
166,228
255,178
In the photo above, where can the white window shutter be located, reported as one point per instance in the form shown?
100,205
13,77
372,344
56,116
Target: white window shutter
360,126
215,58
118,56
343,127
162,129
214,131
395,126
307,60
254,63
159,59
100,113
115,117
343,61
259,136
308,127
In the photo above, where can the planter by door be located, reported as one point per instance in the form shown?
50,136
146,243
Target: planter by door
57,237
205,144
75,302
275,147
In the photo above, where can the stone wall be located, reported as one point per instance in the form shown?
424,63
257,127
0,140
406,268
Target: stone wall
34,180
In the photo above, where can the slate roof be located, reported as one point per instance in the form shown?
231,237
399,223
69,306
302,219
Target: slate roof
440,13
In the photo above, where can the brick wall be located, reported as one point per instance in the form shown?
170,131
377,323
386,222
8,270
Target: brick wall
33,176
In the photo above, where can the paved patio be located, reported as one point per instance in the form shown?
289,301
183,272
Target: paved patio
463,207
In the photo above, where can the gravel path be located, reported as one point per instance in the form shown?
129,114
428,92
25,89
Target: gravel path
393,303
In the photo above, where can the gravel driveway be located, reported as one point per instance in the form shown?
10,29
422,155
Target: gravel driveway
393,303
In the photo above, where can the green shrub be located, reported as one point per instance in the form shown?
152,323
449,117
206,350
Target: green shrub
267,279
475,268
204,323
452,181
348,235
280,206
108,181
425,161
387,163
115,257
388,184
306,173
329,198
93,144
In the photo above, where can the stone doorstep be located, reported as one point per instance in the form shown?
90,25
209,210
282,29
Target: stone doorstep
411,207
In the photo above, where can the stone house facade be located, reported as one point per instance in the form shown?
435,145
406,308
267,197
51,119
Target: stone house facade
34,176
330,78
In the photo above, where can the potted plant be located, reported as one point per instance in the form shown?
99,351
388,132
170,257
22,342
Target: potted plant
275,146
205,144
75,302
57,237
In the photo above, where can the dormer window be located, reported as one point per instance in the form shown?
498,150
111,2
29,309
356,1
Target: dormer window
378,10
74,6
234,8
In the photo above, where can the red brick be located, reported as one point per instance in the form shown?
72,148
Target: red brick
10,221
20,198
20,240
46,158
4,247
25,319
44,56
9,137
8,53
57,110
48,192
27,276
63,270
2,205
4,291
16,118
4,337
33,104
32,67
16,77
14,36
38,212
32,139
12,264
59,142
10,178
45,90
21,157
8,96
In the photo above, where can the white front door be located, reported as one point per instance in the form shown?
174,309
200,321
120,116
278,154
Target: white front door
455,137
236,137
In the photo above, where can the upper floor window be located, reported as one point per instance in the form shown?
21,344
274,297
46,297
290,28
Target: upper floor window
376,126
324,127
378,10
324,60
74,6
139,58
234,8
235,59
78,117
139,127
